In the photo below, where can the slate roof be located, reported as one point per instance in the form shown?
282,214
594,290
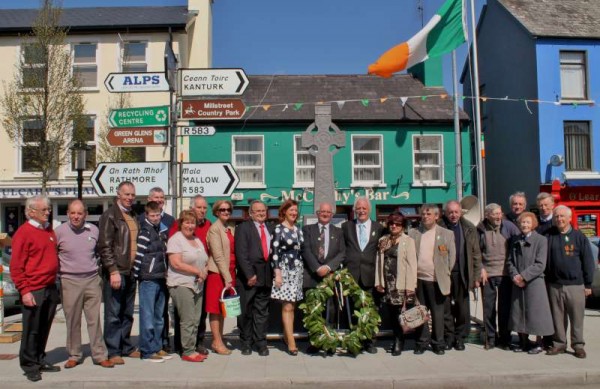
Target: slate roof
99,18
557,18
278,90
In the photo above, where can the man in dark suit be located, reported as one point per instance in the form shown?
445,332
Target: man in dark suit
254,279
361,237
323,252
464,275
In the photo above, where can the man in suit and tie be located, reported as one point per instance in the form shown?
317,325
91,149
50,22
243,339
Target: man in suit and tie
436,254
323,252
361,237
254,279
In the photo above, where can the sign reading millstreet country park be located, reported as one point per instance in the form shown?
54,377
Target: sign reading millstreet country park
221,109
139,117
137,137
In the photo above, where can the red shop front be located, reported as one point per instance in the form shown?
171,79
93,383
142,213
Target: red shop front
584,201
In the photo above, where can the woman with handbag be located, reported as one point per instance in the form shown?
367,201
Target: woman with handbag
221,271
185,279
396,273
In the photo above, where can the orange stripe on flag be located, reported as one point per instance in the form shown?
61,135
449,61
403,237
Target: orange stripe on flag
392,61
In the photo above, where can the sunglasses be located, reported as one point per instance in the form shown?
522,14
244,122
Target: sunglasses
394,224
225,210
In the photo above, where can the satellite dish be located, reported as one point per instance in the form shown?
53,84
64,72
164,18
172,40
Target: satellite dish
556,160
470,208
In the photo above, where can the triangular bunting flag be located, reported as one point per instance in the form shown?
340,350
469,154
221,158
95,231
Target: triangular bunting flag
340,104
298,106
284,108
266,107
403,100
443,96
423,98
365,102
383,100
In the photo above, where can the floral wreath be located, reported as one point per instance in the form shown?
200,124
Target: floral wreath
339,285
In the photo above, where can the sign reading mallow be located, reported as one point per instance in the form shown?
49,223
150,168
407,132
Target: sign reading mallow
213,82
136,82
221,109
137,137
144,175
139,117
208,179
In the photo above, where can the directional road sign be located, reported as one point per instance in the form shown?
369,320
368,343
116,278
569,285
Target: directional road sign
213,82
139,117
144,175
208,179
136,82
221,109
197,131
138,137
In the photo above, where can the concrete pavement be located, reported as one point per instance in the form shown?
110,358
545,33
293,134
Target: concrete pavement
473,368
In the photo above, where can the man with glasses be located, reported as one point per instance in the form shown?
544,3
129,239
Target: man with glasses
323,252
199,206
254,279
33,269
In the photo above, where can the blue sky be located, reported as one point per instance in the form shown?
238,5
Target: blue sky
302,36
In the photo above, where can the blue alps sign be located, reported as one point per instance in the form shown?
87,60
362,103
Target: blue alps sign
136,82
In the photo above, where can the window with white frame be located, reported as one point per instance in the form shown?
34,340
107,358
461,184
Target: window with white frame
427,159
84,64
573,75
367,157
133,55
33,68
248,159
578,152
32,133
87,134
304,165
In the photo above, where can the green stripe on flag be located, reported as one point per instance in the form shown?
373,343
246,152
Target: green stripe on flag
449,32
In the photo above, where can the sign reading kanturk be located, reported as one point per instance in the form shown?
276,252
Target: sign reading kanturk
208,179
144,175
136,82
213,82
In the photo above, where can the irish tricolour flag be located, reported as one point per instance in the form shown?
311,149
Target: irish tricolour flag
444,32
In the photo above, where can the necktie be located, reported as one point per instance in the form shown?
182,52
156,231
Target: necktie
322,244
362,237
263,242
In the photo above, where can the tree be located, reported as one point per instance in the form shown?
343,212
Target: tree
42,107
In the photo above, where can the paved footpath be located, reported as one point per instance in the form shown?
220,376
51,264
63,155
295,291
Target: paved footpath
473,368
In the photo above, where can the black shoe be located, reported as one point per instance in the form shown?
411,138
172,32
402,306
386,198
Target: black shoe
419,350
518,348
459,345
200,349
503,346
263,351
312,350
48,368
397,350
370,348
438,350
330,353
448,345
293,353
246,350
33,376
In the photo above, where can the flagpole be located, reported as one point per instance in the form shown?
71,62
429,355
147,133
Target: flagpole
476,101
457,141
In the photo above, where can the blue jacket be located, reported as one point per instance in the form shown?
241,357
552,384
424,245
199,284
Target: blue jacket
151,256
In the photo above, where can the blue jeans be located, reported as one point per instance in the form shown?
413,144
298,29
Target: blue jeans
118,316
152,304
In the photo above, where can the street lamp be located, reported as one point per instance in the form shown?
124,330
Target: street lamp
80,148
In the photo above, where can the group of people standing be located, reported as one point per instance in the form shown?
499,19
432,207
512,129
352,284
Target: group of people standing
195,262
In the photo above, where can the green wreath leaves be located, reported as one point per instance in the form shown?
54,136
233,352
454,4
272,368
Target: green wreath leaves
328,339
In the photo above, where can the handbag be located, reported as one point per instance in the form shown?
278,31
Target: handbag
413,318
230,305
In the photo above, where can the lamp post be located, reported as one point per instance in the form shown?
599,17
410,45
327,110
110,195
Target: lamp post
80,148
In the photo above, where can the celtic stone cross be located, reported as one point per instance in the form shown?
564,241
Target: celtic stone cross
323,139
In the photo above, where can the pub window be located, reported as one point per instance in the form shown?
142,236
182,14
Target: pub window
367,157
427,160
248,160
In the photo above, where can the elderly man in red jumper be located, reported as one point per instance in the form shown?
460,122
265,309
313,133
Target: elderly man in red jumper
33,268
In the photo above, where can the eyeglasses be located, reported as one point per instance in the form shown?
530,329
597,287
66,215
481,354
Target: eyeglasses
325,212
42,210
225,210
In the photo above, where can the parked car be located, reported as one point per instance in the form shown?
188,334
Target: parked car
12,299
